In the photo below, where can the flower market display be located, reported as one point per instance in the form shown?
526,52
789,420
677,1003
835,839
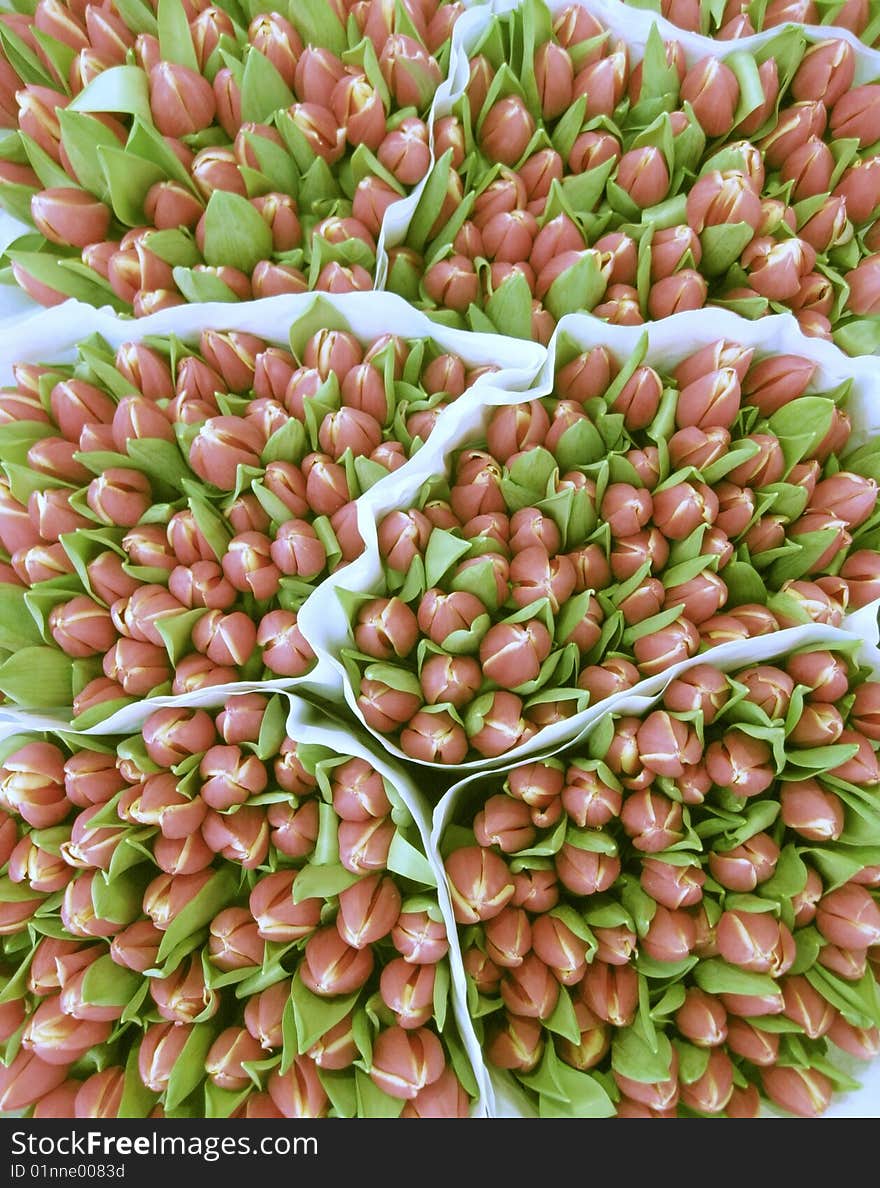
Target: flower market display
439,559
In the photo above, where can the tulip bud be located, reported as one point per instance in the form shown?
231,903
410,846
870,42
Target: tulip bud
404,1062
849,918
332,967
182,102
70,216
479,883
668,646
801,1091
278,917
755,941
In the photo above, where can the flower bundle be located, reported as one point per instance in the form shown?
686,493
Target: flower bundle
210,919
593,538
738,19
165,512
580,179
167,152
679,916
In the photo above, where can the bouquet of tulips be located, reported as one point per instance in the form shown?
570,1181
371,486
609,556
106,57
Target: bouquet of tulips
168,153
581,179
595,537
165,512
211,919
739,19
678,916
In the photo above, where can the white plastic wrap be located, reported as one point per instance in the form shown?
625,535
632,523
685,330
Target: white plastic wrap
669,341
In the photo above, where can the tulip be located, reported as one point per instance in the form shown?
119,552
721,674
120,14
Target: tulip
408,991
404,1062
404,151
801,1091
479,883
170,735
60,1039
363,847
559,948
183,996
70,216
848,917
702,1019
755,941
336,1049
298,1093
386,628
603,83
26,1079
452,282
508,938
586,872
32,785
294,830
160,1049
234,941
862,1043
711,1093
860,188
806,1007
226,1059
506,130
136,947
516,1042
854,114
446,1097
530,989
419,939
740,763
182,102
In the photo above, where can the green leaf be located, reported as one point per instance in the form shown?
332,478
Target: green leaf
106,984
127,180
263,90
52,272
580,287
121,89
17,626
510,307
722,246
585,1094
315,1016
319,25
189,1068
322,882
175,39
202,286
38,677
562,1019
717,977
235,233
372,1102
633,1057
443,551
201,909
404,859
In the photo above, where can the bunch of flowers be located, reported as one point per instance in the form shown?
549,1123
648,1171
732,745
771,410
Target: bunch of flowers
740,19
680,916
166,153
578,179
211,919
164,513
600,535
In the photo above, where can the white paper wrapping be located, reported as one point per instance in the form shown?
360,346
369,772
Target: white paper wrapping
509,1099
669,341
